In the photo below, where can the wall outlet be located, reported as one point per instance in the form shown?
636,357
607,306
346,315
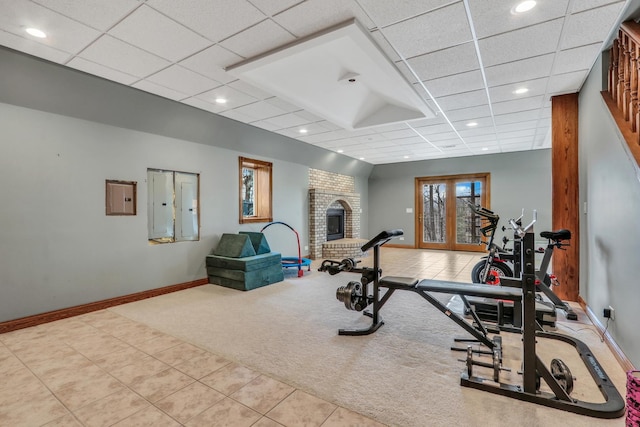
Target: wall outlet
401,238
306,248
609,313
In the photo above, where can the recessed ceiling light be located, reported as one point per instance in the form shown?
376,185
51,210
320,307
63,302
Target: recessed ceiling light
521,91
361,158
221,101
36,33
303,131
406,157
340,151
484,149
472,124
524,6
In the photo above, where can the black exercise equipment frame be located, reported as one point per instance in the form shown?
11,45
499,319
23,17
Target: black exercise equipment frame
533,370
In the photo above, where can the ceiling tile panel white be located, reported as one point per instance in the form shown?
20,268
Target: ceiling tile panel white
401,133
468,99
517,44
272,7
385,46
121,56
325,13
447,27
159,90
260,110
236,115
428,130
524,104
152,31
384,13
526,69
32,47
445,62
480,139
101,71
214,19
579,58
234,98
506,92
183,80
210,63
457,83
531,124
62,33
517,117
582,5
566,83
282,104
249,89
204,105
494,16
288,120
260,38
98,14
591,26
469,113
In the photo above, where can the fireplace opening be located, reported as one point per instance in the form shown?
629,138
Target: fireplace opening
335,224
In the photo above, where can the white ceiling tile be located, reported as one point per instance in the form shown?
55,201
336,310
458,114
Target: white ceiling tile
121,56
211,62
385,46
445,136
161,35
98,14
214,19
384,13
517,117
183,80
236,115
505,92
591,26
447,27
312,118
516,44
525,69
524,104
531,124
457,83
265,125
579,58
469,113
525,133
282,104
485,126
494,16
445,62
62,33
234,98
429,130
325,13
204,105
466,99
249,89
101,71
480,139
260,110
582,5
288,120
159,90
401,133
32,47
566,83
272,7
260,38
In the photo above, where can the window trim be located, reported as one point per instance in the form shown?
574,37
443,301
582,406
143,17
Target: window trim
263,190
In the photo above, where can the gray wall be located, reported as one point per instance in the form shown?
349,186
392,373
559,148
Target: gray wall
65,132
610,234
519,181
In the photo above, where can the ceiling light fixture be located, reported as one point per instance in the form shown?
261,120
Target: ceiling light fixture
340,151
36,33
361,158
221,101
406,157
472,124
303,131
485,149
524,6
521,91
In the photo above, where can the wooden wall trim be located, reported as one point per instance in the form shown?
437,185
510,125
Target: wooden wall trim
38,319
622,359
565,194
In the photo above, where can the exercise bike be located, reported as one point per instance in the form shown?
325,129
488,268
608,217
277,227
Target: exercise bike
499,261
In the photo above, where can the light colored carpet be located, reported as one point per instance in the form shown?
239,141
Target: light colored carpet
403,375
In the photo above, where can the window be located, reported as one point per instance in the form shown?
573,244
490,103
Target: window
172,206
255,191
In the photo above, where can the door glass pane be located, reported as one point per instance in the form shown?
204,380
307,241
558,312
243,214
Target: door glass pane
467,223
434,221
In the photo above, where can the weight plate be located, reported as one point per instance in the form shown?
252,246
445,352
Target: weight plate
562,374
496,366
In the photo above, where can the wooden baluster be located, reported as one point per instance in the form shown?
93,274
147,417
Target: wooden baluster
626,96
613,70
620,85
633,82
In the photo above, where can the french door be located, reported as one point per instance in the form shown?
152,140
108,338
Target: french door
443,218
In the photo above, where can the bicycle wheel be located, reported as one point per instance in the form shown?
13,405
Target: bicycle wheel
496,270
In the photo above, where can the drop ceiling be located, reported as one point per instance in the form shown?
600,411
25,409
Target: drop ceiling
459,64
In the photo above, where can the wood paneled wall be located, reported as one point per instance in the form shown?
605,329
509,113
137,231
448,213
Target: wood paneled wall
565,195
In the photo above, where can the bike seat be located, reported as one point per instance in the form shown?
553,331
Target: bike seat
558,235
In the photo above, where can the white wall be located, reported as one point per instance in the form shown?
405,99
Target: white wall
610,239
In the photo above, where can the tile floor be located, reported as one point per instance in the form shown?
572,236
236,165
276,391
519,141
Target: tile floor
101,369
